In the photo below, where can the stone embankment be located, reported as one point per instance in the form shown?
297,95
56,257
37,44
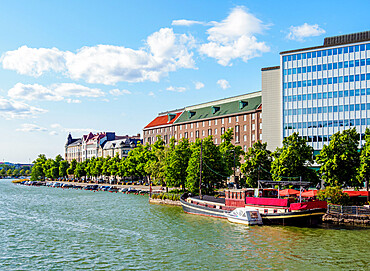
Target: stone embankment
348,219
165,201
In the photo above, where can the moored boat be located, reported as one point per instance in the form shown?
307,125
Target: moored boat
274,211
244,216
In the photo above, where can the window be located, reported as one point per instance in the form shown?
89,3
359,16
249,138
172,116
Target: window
197,125
261,137
253,116
253,126
216,131
191,125
186,126
222,130
180,127
237,118
237,133
203,123
203,133
253,137
245,137
215,121
209,132
223,121
245,128
245,148
245,117
261,125
209,123
197,134
191,134
229,119
215,140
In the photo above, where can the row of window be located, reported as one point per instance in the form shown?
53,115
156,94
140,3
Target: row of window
327,52
197,124
325,95
326,123
328,67
327,109
328,81
324,138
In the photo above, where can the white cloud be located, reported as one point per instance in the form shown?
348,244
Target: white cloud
57,126
11,109
301,32
234,38
176,89
53,133
151,93
223,83
56,92
164,52
199,85
185,22
73,101
117,92
29,127
33,61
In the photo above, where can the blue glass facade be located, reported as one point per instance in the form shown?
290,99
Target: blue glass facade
326,90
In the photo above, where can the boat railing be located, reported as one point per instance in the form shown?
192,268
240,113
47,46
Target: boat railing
348,210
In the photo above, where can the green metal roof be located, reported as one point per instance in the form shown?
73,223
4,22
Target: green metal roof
218,110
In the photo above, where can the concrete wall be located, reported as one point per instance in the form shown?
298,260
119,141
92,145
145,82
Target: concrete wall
272,131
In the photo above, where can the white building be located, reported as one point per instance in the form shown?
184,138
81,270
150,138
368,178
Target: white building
323,90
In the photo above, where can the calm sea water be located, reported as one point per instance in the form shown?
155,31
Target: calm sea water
44,228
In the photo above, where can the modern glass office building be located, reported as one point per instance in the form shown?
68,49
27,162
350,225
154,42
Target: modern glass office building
326,89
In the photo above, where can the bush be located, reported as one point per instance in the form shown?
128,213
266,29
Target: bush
169,196
333,195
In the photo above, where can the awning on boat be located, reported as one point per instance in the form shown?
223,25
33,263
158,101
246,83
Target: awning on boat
288,192
356,193
309,193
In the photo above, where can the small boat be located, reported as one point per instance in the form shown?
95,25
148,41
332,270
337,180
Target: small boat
244,216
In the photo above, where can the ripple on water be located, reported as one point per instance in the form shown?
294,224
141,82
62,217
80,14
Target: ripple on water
47,229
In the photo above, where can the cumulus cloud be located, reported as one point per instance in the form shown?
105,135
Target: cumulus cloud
117,92
164,52
33,61
301,32
234,37
199,85
224,84
185,22
176,89
151,93
53,133
29,127
55,92
11,109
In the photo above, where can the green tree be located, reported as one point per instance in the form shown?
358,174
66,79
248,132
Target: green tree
51,169
333,195
28,172
257,164
2,173
98,169
80,170
293,160
63,167
21,172
212,167
105,166
113,166
72,168
231,154
9,173
15,173
177,162
364,169
37,172
340,159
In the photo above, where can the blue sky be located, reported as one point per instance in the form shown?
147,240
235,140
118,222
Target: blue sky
79,66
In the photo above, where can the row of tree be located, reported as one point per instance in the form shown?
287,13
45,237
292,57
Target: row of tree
341,162
178,164
14,172
175,165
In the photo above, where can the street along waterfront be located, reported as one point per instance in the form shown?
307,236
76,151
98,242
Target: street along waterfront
45,228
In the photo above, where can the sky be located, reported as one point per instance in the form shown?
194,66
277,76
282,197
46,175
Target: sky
112,66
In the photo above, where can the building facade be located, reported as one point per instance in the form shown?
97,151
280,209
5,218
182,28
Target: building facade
243,113
96,145
323,90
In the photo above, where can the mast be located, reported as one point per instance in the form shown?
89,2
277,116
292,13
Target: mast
200,169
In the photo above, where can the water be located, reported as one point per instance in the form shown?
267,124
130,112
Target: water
44,228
